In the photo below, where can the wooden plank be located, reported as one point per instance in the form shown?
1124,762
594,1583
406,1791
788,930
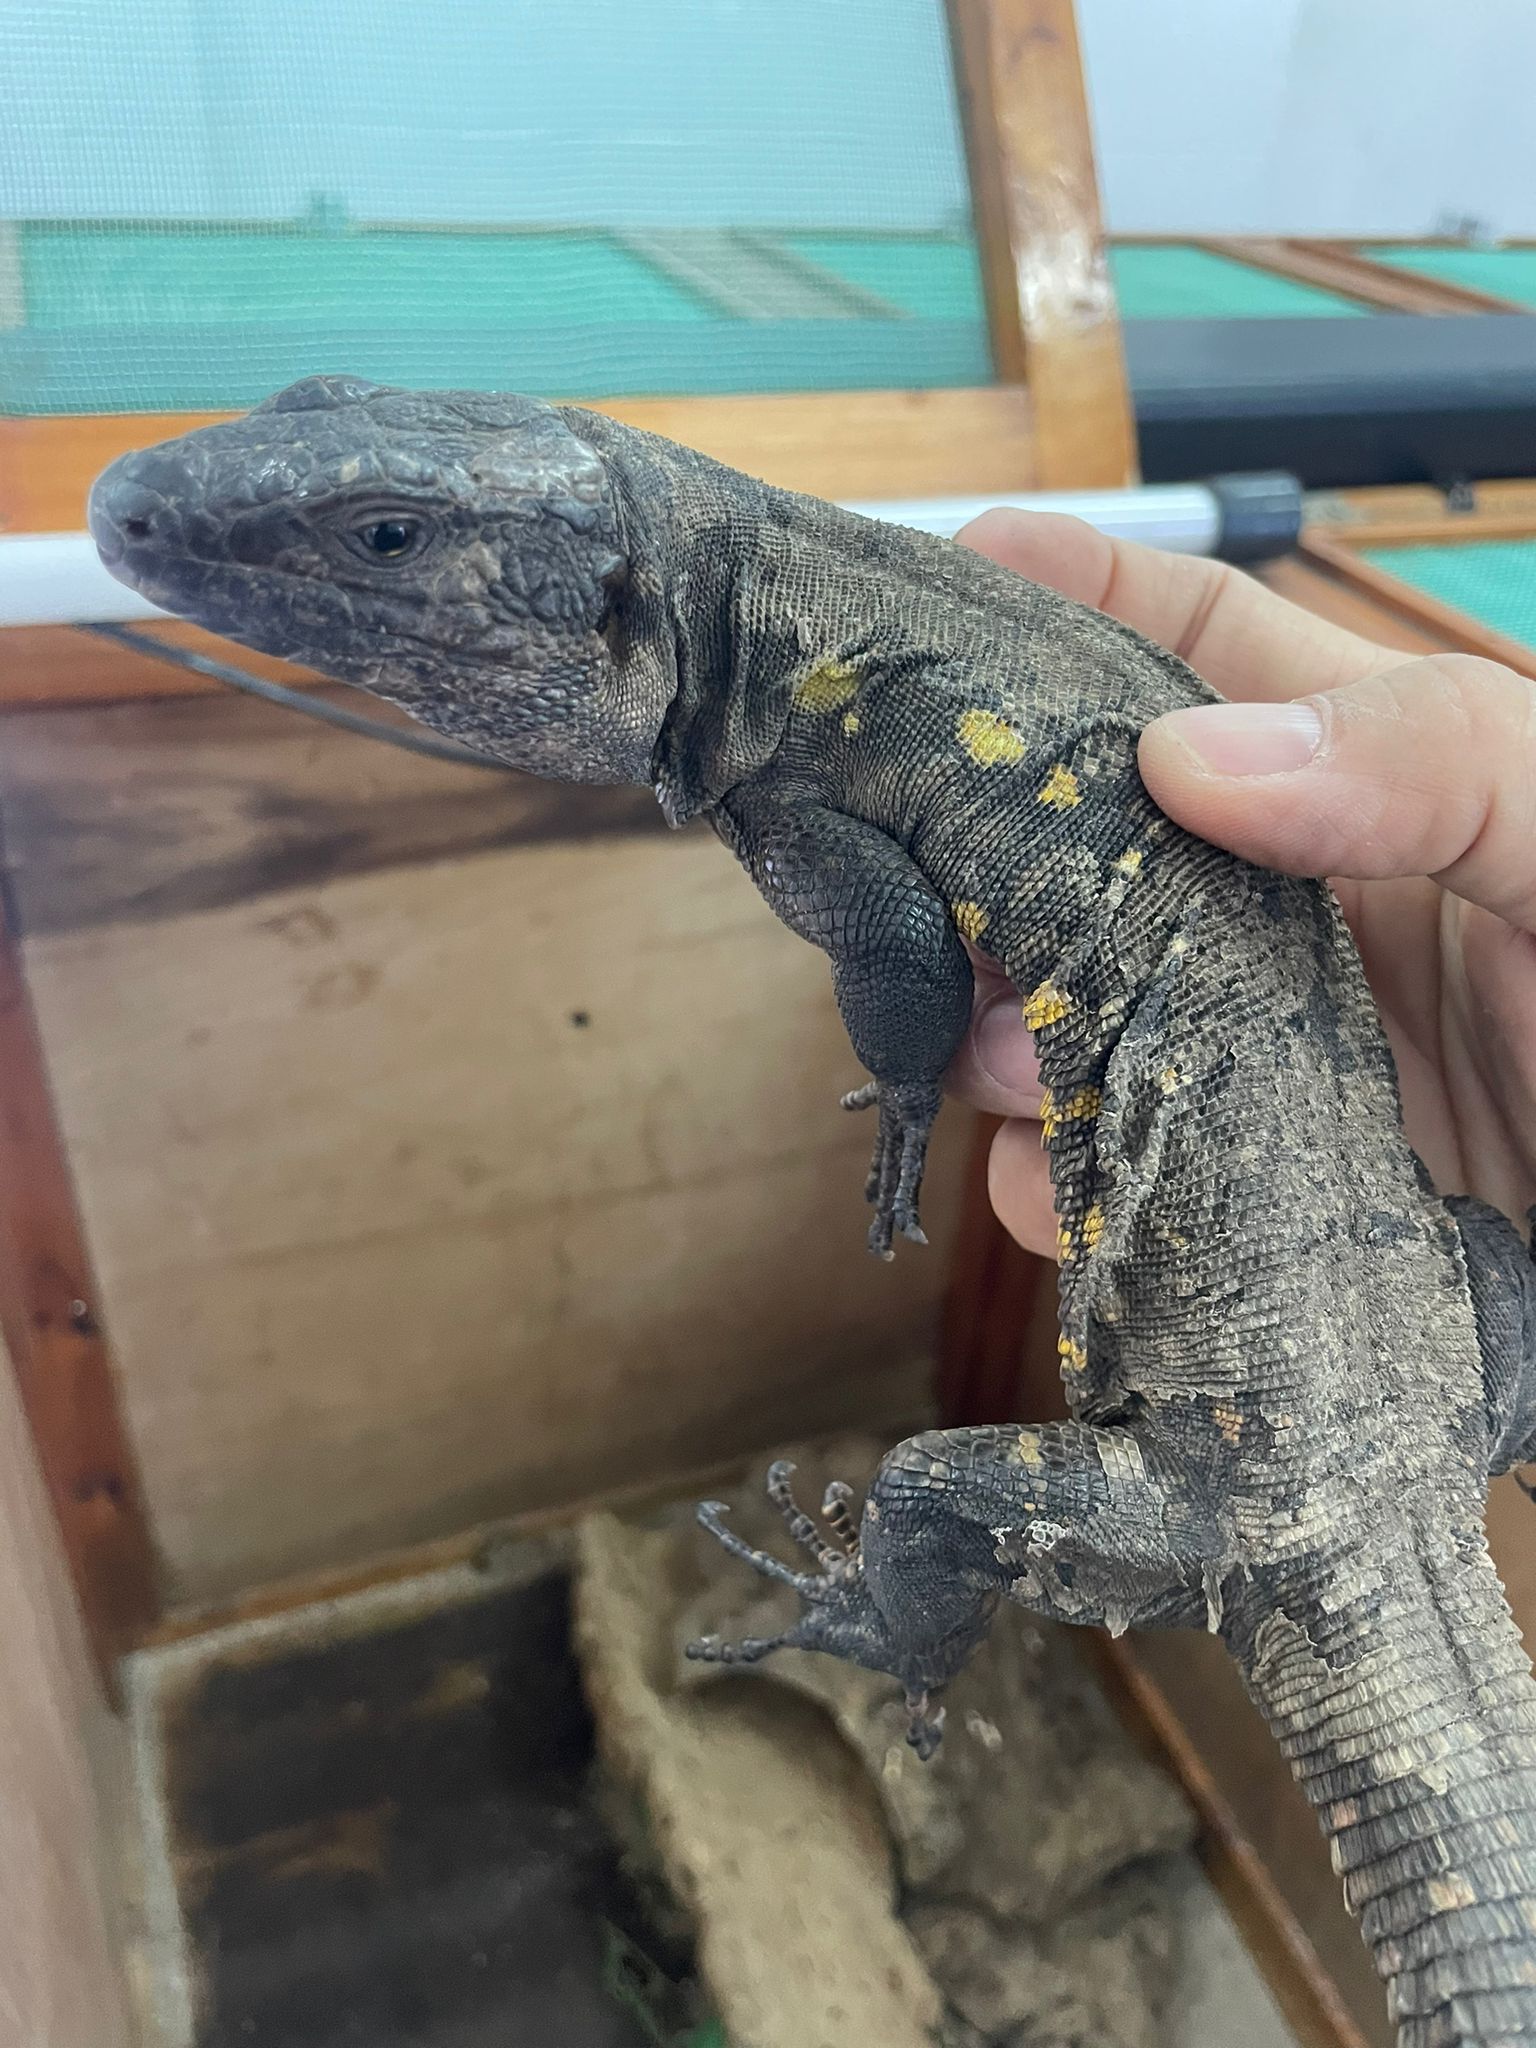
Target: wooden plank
835,444
1337,267
1456,628
1051,307
1384,514
51,1316
857,444
47,465
153,810
427,1189
63,1771
58,665
1300,582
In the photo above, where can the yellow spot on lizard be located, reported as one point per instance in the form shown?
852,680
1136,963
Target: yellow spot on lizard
1080,1106
1047,1005
1072,1352
827,687
1170,1080
850,723
989,740
1066,1251
971,919
1061,789
1093,1226
1029,1448
1129,862
1228,1420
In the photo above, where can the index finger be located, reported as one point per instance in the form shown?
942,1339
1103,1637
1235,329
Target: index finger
1246,642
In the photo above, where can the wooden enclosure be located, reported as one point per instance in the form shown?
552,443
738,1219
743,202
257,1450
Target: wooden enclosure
390,1148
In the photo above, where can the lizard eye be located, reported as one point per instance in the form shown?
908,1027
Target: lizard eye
390,539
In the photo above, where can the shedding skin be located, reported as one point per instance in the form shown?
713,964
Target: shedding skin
1291,1368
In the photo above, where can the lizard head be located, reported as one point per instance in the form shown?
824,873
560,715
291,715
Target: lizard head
458,553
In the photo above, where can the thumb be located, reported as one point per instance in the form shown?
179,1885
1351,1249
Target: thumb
1426,769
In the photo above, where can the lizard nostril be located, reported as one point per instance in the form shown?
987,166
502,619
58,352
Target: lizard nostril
136,529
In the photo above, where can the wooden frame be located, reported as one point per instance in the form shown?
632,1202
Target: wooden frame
1050,304
1339,267
1410,514
51,1316
1054,326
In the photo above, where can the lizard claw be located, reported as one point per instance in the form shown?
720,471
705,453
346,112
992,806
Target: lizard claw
896,1169
838,1614
925,1728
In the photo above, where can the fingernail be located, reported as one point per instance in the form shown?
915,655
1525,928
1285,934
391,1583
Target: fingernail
1003,1048
1248,739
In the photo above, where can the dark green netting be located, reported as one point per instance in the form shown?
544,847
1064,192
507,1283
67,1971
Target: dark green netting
1176,281
1493,581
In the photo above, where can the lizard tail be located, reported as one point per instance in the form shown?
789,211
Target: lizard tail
1409,1717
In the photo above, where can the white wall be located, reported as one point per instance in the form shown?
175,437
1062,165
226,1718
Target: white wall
1322,117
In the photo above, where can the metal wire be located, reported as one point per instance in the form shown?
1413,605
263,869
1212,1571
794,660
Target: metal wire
294,700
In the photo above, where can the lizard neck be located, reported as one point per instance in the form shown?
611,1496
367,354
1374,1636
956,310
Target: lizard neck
699,541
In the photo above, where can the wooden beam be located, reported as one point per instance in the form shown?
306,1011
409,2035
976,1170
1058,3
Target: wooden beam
1381,515
834,444
45,667
51,1317
1050,305
47,465
1337,267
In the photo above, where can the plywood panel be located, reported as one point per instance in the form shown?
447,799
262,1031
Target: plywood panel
60,1759
425,1189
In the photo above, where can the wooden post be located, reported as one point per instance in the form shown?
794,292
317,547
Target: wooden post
1050,305
50,1317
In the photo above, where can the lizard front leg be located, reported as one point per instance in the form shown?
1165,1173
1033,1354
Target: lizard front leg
1077,1523
901,975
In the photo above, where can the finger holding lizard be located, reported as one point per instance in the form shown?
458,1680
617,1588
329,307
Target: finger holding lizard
1410,783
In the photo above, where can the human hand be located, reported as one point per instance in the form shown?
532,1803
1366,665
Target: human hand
1409,783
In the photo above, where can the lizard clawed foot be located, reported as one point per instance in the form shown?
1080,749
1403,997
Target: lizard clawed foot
837,1553
896,1170
838,1614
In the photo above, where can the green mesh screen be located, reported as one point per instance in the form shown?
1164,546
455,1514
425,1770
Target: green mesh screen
1493,581
1506,273
203,199
1174,281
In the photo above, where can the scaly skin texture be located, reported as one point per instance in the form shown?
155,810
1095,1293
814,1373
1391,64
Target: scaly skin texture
1291,1367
